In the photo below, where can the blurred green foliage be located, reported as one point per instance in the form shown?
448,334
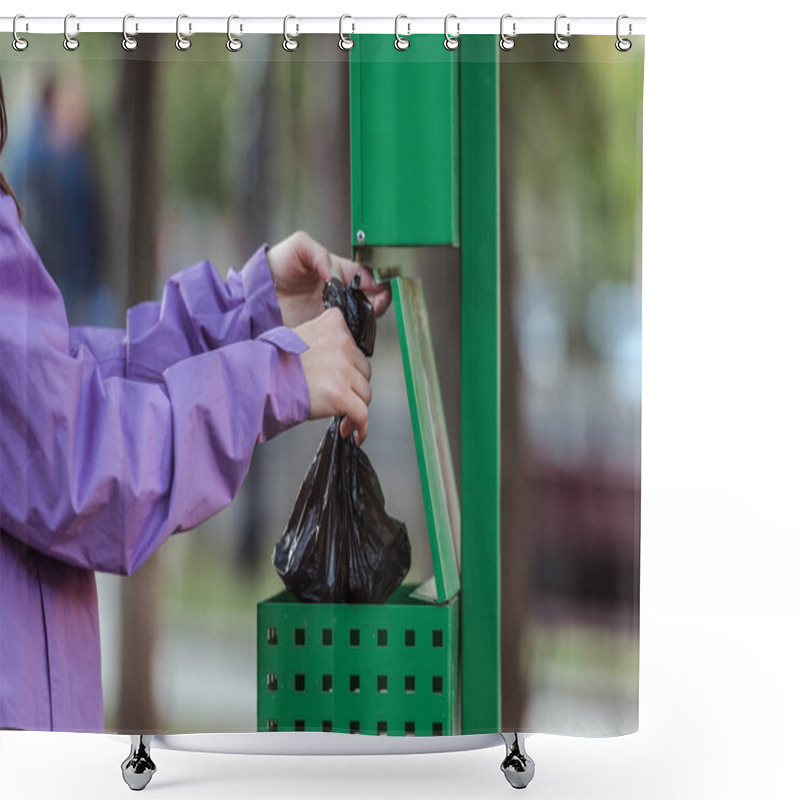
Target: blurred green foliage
575,141
193,132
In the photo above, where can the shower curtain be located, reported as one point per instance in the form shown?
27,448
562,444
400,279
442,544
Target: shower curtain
151,185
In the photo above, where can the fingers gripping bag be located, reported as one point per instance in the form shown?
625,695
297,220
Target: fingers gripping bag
340,545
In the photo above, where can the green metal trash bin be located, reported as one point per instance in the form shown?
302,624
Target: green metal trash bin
379,669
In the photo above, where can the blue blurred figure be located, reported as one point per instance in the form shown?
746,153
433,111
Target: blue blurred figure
52,170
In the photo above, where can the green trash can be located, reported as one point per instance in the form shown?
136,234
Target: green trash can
378,669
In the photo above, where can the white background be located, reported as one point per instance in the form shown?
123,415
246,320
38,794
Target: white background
720,609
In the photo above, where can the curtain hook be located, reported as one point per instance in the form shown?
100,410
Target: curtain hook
233,44
560,43
451,42
290,43
181,42
19,44
507,42
70,42
345,42
128,42
623,45
400,42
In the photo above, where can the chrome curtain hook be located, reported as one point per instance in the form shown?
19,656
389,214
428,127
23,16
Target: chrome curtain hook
400,42
289,42
507,42
451,42
70,42
128,42
181,42
345,42
623,45
233,44
560,43
19,44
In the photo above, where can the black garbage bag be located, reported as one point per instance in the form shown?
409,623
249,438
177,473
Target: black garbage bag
340,545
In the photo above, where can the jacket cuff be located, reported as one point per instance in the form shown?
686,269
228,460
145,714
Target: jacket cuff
259,293
285,339
295,403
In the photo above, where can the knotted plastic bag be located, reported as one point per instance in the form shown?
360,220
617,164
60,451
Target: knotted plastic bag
340,545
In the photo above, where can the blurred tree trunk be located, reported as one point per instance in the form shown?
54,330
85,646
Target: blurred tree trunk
136,710
515,524
308,170
254,210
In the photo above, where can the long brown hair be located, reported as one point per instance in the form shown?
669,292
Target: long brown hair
4,185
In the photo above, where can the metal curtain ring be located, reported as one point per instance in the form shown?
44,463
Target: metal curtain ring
560,43
128,42
451,42
233,44
345,42
19,44
181,42
400,42
507,42
289,42
623,45
70,42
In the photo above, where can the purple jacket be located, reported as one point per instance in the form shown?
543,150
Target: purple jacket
112,440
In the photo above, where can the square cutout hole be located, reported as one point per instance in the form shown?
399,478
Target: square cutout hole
437,729
299,724
300,637
410,728
355,684
383,684
437,684
383,728
272,636
355,726
327,637
438,638
355,637
410,638
383,637
272,681
272,725
327,683
300,683
327,726
410,682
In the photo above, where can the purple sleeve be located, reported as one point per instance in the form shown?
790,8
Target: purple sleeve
98,471
107,345
197,313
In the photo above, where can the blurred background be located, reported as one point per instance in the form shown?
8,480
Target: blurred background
132,168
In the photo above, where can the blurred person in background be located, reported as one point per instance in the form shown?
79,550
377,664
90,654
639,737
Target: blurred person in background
53,168
112,440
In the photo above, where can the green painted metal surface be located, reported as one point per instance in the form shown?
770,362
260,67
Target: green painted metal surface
437,476
352,668
404,142
480,386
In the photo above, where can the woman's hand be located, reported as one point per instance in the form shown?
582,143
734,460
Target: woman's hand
300,266
337,373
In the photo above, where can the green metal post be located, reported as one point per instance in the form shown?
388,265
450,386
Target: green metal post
480,386
425,170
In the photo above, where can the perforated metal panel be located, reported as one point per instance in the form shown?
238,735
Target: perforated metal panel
352,668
